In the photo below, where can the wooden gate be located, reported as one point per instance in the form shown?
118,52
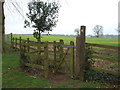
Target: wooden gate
48,56
55,56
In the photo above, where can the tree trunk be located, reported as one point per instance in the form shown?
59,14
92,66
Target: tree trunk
2,32
39,39
3,29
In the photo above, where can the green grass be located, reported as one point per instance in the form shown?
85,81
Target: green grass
20,80
103,41
12,77
10,62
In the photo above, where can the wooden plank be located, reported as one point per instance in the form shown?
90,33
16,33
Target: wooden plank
72,59
34,55
23,40
33,44
34,66
103,46
106,71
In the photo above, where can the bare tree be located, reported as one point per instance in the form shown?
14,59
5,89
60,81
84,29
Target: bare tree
77,31
98,31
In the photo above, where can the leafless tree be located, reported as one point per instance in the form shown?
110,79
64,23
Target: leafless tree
98,31
77,31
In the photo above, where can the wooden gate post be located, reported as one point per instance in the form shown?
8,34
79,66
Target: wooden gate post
72,59
80,54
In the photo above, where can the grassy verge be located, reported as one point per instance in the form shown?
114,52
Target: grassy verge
13,78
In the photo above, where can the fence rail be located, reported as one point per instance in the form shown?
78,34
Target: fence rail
103,46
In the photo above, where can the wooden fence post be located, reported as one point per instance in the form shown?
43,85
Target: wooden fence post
61,49
15,43
54,45
72,59
28,48
11,36
20,44
80,54
46,62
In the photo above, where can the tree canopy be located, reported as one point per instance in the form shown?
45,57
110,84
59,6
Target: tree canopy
42,16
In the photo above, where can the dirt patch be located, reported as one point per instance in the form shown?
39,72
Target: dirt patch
59,77
111,52
103,63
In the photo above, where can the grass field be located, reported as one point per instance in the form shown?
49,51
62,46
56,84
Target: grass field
104,41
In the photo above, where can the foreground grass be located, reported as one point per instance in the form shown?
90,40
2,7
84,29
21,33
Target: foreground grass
104,41
12,77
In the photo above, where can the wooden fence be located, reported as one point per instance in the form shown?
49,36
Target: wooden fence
43,51
104,47
59,51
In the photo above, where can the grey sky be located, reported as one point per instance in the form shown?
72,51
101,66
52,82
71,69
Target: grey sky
72,14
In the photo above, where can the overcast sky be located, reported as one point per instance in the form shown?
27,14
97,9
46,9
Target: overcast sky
72,14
